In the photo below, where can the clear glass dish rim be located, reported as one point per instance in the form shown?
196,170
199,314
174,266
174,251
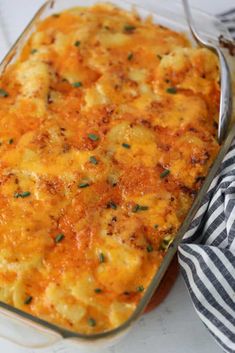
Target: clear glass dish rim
65,333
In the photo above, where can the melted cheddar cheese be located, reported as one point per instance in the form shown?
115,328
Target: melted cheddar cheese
108,127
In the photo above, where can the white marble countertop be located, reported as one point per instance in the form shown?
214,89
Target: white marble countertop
174,326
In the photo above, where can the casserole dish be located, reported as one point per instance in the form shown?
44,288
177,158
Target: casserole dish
55,7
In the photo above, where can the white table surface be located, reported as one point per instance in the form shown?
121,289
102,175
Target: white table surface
174,326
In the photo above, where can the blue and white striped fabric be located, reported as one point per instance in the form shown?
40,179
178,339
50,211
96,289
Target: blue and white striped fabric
207,253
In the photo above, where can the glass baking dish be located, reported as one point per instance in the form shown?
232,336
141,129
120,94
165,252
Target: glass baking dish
27,330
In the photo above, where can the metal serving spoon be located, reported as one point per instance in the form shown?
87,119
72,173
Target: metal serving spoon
225,112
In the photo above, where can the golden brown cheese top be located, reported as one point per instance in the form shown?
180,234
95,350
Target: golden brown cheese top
108,127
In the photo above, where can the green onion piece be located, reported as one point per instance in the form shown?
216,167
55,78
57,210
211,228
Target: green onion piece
130,56
56,15
129,28
155,226
140,288
11,141
3,93
138,208
171,90
159,57
112,205
143,208
93,160
135,208
93,137
165,173
77,84
77,43
59,238
126,145
98,290
33,51
91,322
166,242
83,185
28,300
101,258
22,194
149,248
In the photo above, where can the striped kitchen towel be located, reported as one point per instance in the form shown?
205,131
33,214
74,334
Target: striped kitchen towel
207,253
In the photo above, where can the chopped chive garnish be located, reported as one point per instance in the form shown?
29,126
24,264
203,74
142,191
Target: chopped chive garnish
56,15
166,242
165,173
93,160
33,51
11,141
140,288
126,145
101,258
171,90
130,56
22,194
138,208
155,226
83,185
149,248
159,57
77,84
135,208
59,238
91,322
77,43
112,205
98,290
93,137
3,93
143,208
28,300
129,28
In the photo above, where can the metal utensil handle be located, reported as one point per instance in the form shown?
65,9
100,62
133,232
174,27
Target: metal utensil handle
225,113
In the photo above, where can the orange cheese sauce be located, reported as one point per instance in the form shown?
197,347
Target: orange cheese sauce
108,127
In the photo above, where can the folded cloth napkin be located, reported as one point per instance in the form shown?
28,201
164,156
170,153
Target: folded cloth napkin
207,253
